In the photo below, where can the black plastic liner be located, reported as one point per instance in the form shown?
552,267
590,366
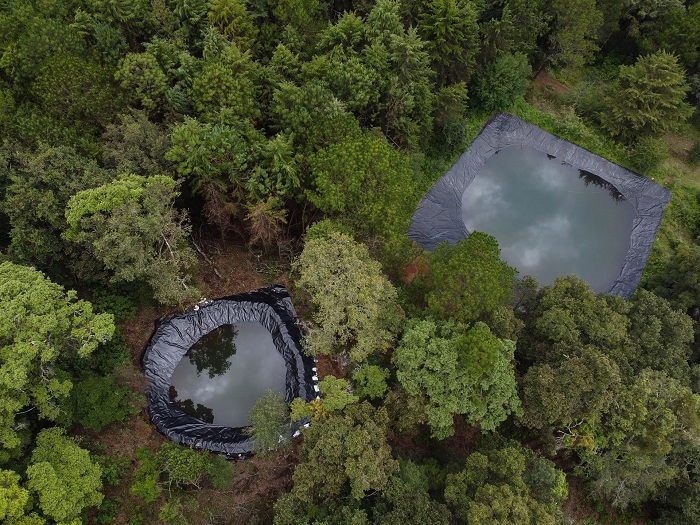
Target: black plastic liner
174,336
439,215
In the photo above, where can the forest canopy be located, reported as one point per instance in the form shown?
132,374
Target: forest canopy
153,152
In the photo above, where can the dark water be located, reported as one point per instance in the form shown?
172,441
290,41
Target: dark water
549,218
226,372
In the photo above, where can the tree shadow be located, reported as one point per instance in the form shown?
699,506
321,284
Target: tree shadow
213,351
591,178
188,406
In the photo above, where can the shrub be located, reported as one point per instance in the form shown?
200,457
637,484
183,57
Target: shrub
694,153
269,420
96,401
648,153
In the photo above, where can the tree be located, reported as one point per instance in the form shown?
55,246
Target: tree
226,82
366,182
647,98
131,226
570,398
13,497
41,328
96,401
567,317
344,455
63,476
575,31
311,114
75,90
232,18
497,487
679,282
661,336
270,423
357,314
336,394
215,159
467,280
370,381
651,417
451,32
134,144
181,465
142,78
500,82
459,371
406,499
40,186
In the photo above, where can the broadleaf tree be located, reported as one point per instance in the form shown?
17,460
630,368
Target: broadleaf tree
357,311
132,227
42,326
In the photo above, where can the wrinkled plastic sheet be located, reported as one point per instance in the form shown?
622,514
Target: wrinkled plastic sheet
439,215
174,336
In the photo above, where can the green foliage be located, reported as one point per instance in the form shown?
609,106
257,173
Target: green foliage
96,401
13,497
370,381
357,313
654,415
63,476
459,371
567,317
575,31
270,422
565,396
182,466
452,34
41,328
72,89
498,486
406,499
344,455
312,115
648,98
694,153
142,78
132,228
679,280
500,82
146,476
172,512
226,82
467,280
112,300
113,466
365,181
220,472
610,381
40,185
234,21
336,394
661,336
649,153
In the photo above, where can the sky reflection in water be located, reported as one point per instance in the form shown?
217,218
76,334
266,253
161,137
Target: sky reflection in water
549,218
222,376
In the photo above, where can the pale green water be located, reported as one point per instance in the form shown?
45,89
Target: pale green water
226,372
547,220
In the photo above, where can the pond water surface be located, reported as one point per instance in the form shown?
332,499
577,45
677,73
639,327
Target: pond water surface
550,218
222,376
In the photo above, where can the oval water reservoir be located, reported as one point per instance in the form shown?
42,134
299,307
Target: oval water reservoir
221,377
550,218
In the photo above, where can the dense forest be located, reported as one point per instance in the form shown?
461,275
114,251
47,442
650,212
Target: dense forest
153,152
